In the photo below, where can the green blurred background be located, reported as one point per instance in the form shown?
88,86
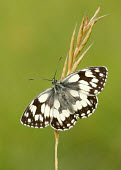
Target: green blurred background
33,35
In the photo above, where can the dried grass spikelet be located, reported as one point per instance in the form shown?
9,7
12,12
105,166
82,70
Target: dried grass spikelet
84,33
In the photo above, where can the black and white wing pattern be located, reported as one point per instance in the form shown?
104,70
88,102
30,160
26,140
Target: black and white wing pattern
39,111
72,98
84,85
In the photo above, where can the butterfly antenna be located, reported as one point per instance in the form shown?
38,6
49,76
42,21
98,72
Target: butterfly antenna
57,67
54,75
40,79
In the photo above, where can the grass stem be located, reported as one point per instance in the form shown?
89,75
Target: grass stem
56,149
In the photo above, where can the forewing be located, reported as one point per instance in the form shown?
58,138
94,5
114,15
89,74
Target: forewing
89,81
39,111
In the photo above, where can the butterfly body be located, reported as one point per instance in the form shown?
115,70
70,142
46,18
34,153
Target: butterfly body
73,97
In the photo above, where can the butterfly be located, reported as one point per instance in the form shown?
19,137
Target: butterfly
70,99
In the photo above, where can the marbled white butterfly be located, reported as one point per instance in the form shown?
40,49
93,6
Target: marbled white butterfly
73,97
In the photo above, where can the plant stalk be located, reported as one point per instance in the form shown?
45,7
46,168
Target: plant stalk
56,148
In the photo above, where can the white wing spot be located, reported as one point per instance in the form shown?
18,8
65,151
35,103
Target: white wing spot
43,108
89,114
97,70
94,80
74,107
84,87
88,73
41,118
83,82
83,114
74,93
36,117
83,96
84,117
72,121
33,109
93,84
66,113
43,97
46,123
68,124
73,78
62,117
84,92
51,113
88,102
83,103
26,114
56,104
29,120
78,104
47,111
88,111
96,91
55,113
101,75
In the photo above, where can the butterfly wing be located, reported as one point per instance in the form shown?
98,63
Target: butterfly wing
39,111
83,86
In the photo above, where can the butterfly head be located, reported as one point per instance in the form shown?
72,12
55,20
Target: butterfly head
54,81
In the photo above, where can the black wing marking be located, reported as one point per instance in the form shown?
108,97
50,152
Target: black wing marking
39,111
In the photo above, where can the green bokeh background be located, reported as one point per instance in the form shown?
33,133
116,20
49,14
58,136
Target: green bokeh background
33,35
